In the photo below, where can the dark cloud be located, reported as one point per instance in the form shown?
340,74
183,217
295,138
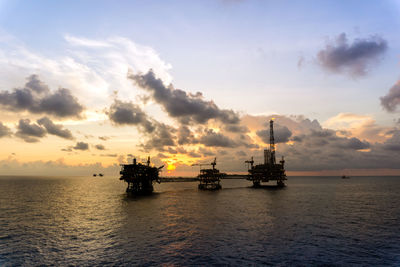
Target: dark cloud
127,113
104,138
182,105
241,153
100,147
297,138
206,152
109,155
55,129
36,97
172,151
194,154
163,135
391,100
393,143
281,134
81,146
30,132
355,59
213,139
354,144
36,85
236,128
157,135
4,130
185,136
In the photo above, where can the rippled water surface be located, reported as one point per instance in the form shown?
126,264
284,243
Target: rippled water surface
90,221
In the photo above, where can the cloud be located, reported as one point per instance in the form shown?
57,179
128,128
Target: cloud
241,153
104,138
391,100
393,143
157,135
355,59
55,129
37,98
236,128
81,146
91,68
185,107
4,130
185,136
360,126
162,135
127,113
100,147
213,139
30,132
281,134
109,155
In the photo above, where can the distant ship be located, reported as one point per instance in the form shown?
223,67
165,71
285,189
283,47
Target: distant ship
94,175
345,177
101,175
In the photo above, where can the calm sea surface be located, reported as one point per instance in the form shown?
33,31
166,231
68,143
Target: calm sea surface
90,221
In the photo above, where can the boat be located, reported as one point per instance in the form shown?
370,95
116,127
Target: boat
345,177
94,175
101,175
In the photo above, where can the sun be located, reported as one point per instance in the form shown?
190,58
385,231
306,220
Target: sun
170,167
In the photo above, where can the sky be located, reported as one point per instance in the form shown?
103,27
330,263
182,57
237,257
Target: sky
88,85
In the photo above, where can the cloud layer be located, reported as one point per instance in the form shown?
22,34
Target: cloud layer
54,129
355,59
4,130
181,105
391,100
32,132
127,113
35,97
281,134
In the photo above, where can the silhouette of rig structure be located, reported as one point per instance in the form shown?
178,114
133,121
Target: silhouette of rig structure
141,176
210,178
270,170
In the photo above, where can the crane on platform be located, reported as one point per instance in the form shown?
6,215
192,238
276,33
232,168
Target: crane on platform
206,164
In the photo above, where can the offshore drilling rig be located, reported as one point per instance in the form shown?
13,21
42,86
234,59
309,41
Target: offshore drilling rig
270,170
210,178
140,177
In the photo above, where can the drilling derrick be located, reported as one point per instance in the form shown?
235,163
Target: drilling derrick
271,142
270,170
140,177
210,178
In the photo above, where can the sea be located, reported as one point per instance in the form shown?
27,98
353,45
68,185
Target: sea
90,221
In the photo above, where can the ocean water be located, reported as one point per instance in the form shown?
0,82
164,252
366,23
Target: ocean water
86,221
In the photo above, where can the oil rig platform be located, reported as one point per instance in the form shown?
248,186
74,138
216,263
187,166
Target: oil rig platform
270,170
209,179
140,177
